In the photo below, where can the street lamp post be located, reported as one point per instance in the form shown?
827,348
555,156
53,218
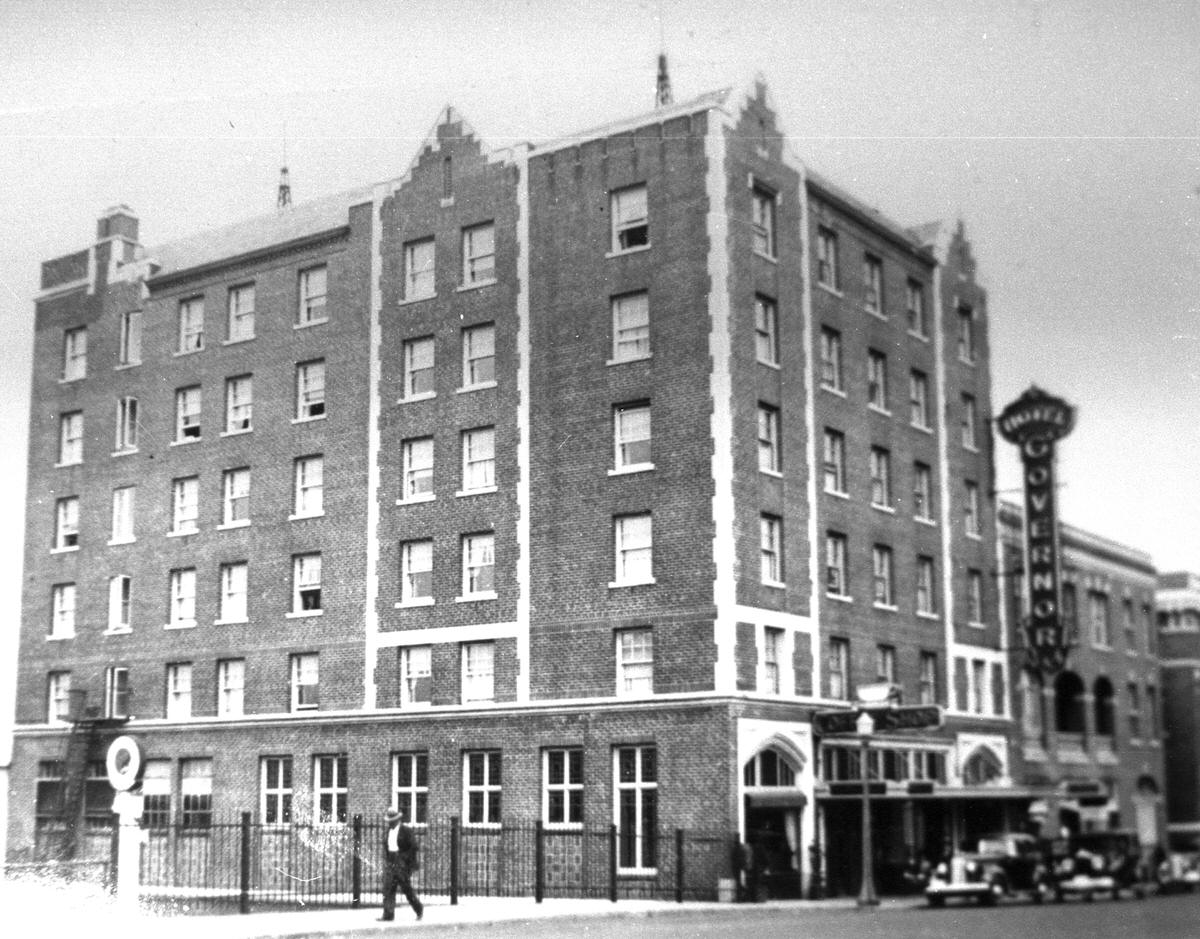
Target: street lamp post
865,726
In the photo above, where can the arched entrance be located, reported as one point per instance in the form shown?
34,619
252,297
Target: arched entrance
774,804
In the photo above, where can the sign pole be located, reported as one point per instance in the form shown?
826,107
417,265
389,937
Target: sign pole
866,894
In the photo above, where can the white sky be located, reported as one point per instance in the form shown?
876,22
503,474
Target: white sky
1065,132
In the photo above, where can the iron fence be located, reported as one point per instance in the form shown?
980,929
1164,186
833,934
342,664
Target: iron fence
248,865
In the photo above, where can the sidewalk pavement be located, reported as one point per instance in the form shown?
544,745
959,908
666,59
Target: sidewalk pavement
54,911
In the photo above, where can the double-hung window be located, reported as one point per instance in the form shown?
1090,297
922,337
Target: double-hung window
191,325
416,676
410,787
835,461
918,399
127,425
763,221
970,423
310,390
885,664
634,539
479,255
123,501
62,611
481,787
235,488
631,436
235,578
120,591
417,455
966,334
418,368
419,269
179,691
873,284
881,478
479,356
58,697
74,353
927,679
331,789
116,691
185,505
1098,614
975,597
877,384
479,565
479,459
971,508
306,583
305,681
182,613
922,492
839,668
770,529
769,458
630,219
926,602
196,793
239,403
70,438
562,789
635,662
772,659
275,788
766,330
231,687
309,487
156,795
915,304
827,258
416,572
241,313
129,343
66,523
836,576
635,784
631,327
881,562
478,671
312,296
831,359
187,414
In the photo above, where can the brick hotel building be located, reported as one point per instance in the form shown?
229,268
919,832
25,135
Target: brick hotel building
562,482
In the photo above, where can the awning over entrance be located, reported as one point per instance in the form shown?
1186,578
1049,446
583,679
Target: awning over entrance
777,799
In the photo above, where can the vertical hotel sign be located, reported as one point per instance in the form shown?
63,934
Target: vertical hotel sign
1034,422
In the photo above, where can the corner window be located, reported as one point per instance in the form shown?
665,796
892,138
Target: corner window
763,221
191,325
418,269
478,671
479,255
631,327
241,313
635,662
187,414
310,390
631,436
418,367
305,681
479,356
74,354
634,549
312,296
630,224
306,583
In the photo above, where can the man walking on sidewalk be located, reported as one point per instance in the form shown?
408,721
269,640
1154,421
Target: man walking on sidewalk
400,861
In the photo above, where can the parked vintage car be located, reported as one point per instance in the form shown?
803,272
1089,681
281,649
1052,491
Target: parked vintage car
1179,871
1004,865
1099,862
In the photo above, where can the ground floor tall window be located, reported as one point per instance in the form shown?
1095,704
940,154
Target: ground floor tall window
636,785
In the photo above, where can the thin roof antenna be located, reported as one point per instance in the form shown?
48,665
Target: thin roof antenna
284,197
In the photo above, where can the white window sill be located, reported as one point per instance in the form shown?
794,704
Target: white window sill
621,252
923,428
68,550
60,636
562,826
415,705
236,433
474,597
68,381
308,420
231,622
834,391
637,872
446,202
182,624
125,365
631,470
766,257
770,472
878,410
931,522
72,463
974,536
464,288
304,709
486,490
838,494
491,826
839,597
632,358
416,601
480,387
925,614
614,584
126,452
889,607
921,336
118,541
970,448
184,442
183,533
296,518
117,631
415,500
774,365
775,584
240,339
834,291
409,301
312,322
975,624
965,361
303,614
890,510
179,353
228,526
423,396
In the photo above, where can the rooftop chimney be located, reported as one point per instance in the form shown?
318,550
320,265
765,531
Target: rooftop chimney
662,95
118,222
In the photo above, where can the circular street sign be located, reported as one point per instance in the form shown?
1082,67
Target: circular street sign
123,763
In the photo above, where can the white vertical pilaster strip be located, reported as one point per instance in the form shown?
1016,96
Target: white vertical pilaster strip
720,347
1002,588
939,351
524,466
815,542
374,414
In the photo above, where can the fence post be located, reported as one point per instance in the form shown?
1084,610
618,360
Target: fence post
612,863
244,866
678,865
110,884
539,862
454,860
356,864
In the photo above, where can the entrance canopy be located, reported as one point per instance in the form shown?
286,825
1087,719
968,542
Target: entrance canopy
776,799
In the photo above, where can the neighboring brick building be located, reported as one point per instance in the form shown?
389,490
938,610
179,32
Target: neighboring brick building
1091,739
562,482
1178,601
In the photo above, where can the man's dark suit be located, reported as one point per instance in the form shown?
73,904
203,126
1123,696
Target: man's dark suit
398,868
